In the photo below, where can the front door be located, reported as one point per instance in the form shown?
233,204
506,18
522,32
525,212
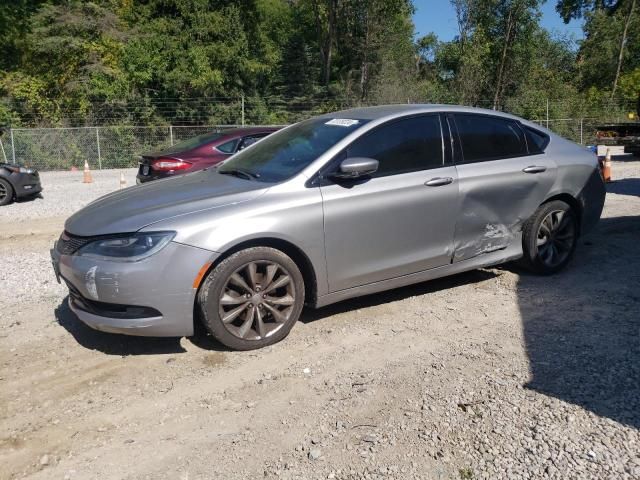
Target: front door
400,220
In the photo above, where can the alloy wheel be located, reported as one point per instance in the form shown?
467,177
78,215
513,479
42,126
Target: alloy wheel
3,192
556,237
257,300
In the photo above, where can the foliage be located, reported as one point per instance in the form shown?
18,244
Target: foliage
158,62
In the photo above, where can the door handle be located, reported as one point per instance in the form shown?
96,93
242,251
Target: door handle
438,181
534,169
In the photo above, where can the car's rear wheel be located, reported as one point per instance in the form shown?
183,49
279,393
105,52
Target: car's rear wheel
6,192
550,237
252,298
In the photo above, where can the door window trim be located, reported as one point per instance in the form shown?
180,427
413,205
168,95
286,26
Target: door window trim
320,178
459,151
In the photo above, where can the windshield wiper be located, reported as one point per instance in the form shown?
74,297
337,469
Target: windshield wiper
238,172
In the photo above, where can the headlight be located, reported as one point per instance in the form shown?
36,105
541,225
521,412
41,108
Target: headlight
126,248
21,169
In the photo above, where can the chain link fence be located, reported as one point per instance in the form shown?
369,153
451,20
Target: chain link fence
102,147
118,146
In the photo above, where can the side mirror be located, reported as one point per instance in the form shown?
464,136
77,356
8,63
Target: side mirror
356,167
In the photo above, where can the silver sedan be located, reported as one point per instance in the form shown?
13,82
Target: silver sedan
334,207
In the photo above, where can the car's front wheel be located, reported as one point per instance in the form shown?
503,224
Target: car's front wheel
252,298
6,192
550,237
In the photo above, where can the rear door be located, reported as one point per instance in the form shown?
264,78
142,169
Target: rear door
501,181
401,219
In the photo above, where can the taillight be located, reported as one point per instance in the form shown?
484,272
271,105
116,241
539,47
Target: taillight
168,165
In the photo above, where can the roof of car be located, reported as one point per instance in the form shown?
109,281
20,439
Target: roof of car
381,111
232,132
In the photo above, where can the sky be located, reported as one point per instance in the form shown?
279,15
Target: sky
438,16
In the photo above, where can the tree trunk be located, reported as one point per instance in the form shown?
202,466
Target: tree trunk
623,41
503,59
364,68
331,33
326,35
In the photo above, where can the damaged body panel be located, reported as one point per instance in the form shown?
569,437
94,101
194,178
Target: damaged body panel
100,289
496,198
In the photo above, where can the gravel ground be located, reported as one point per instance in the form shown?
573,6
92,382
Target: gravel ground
491,374
64,193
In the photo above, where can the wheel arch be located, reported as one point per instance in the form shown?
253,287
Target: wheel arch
11,185
293,251
572,202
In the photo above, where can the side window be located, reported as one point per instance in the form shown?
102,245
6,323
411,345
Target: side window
402,146
228,147
486,138
250,140
536,140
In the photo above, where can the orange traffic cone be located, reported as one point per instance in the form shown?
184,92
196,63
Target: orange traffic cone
87,178
123,181
606,167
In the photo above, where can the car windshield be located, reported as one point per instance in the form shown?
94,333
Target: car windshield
194,142
285,153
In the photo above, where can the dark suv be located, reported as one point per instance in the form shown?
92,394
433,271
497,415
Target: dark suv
199,152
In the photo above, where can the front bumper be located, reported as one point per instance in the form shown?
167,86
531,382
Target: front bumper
152,297
26,184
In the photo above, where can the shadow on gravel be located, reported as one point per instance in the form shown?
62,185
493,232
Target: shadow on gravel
424,288
29,199
625,186
110,343
582,326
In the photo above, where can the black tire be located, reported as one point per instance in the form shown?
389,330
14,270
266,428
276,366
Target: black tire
270,318
6,192
549,238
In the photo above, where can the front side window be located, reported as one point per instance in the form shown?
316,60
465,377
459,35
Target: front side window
250,140
485,138
285,153
402,146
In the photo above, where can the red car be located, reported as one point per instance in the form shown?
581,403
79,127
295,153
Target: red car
198,152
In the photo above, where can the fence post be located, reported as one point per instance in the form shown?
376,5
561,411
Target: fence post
171,134
4,154
547,113
13,148
581,140
242,102
98,143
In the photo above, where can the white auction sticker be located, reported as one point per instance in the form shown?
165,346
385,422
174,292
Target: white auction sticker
342,122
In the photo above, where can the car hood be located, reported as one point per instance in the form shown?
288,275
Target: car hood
134,208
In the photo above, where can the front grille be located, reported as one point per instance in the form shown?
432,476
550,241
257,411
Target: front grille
69,244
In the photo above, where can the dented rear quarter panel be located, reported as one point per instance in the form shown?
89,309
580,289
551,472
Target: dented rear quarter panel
579,177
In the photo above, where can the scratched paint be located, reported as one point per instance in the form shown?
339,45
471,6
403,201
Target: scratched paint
90,282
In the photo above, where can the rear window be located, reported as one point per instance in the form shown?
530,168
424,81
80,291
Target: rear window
194,142
536,140
487,138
